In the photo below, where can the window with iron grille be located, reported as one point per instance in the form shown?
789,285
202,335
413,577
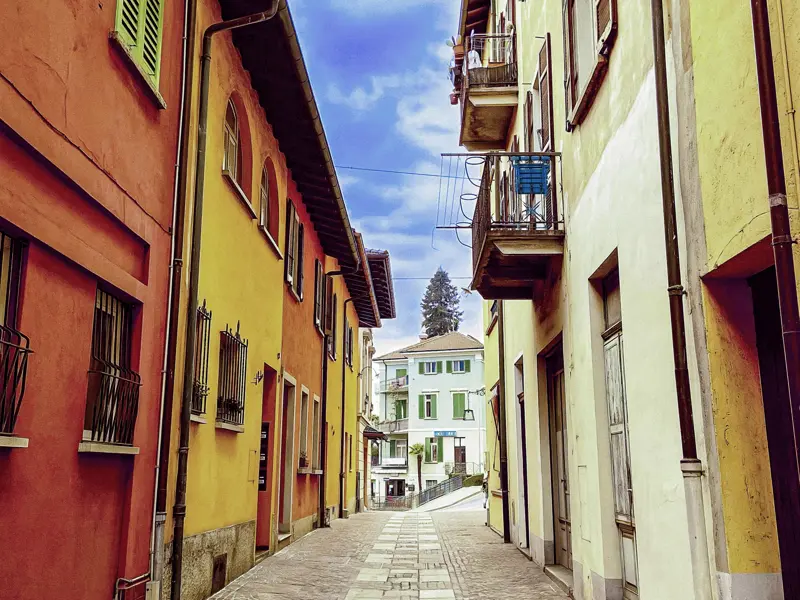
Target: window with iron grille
203,333
232,377
112,399
14,346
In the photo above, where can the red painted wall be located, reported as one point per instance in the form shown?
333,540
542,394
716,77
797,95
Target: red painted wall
302,353
86,176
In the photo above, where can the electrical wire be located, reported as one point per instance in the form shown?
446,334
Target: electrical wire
392,171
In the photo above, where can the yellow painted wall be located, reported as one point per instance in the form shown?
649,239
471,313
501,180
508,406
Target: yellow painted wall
491,374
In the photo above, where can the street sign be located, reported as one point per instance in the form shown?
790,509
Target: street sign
445,433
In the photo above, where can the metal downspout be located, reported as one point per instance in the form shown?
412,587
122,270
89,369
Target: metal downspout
179,509
343,470
501,416
691,466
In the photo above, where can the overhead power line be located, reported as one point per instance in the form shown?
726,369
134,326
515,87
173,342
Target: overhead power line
396,172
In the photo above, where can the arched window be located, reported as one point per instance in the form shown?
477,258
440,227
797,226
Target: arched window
232,160
268,217
263,209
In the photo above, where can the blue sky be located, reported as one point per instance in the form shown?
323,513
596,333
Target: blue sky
379,72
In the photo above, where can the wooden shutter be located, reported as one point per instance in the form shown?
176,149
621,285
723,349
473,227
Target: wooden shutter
422,406
151,38
300,261
466,366
400,373
317,292
438,366
434,398
546,94
422,368
392,448
439,449
570,72
128,19
427,450
329,316
458,406
290,249
618,427
530,127
449,366
606,19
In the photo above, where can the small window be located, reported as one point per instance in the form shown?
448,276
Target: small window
315,427
201,389
430,406
348,344
430,368
401,449
304,425
14,346
400,409
319,292
112,397
459,366
433,449
295,247
590,28
139,26
232,157
232,377
332,336
263,207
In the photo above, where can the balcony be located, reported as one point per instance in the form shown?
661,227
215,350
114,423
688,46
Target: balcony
517,225
393,463
399,384
488,89
393,426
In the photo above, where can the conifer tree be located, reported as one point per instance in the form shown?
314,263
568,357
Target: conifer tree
440,305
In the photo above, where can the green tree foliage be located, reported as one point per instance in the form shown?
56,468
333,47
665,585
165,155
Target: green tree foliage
440,305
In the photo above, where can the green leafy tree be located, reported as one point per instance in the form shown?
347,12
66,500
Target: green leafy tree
440,305
418,450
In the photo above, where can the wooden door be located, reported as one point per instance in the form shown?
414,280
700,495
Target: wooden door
460,456
559,458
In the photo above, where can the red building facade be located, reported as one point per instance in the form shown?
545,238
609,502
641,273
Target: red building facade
90,102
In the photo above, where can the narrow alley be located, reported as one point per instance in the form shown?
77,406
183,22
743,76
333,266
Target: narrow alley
446,554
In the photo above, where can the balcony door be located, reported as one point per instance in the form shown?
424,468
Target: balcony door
562,522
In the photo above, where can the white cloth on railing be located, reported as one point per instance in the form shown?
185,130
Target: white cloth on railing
473,59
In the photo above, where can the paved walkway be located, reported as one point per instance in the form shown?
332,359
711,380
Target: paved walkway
447,555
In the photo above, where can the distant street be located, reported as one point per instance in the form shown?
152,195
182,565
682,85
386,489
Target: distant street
440,555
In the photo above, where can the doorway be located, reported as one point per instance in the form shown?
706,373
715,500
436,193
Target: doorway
556,400
266,462
778,420
519,392
287,456
395,488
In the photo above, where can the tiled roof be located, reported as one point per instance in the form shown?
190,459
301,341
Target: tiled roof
454,340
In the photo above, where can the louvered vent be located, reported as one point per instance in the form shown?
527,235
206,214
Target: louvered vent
130,19
152,18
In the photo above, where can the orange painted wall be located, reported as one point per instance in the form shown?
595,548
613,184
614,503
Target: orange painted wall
302,352
86,176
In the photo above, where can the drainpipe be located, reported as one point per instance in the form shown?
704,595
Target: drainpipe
691,466
781,241
179,509
343,471
324,409
173,307
501,416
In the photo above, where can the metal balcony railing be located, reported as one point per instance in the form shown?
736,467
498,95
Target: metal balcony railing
517,192
490,60
393,426
396,385
456,482
14,352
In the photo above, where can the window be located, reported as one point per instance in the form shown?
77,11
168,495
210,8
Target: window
400,409
319,292
112,398
14,346
459,404
434,449
429,483
427,406
304,423
232,157
332,336
401,449
348,343
617,404
590,27
138,26
458,366
295,246
232,377
203,337
430,367
315,433
267,215
350,450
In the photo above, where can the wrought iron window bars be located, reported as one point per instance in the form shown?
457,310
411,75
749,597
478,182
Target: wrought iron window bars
232,377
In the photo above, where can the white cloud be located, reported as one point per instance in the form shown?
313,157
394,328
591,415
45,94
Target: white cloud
446,10
361,99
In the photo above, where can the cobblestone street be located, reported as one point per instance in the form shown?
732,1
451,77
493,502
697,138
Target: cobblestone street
446,555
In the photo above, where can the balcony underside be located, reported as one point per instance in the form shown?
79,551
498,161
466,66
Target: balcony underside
512,261
486,118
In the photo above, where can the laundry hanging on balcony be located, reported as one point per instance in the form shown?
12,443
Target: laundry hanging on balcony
531,174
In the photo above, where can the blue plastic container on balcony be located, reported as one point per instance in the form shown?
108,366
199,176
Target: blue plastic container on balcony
531,174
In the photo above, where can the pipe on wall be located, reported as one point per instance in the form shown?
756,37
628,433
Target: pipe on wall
343,470
179,508
691,466
501,416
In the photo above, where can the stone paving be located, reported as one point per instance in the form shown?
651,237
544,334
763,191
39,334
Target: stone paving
377,555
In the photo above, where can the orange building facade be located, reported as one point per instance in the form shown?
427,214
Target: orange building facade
89,123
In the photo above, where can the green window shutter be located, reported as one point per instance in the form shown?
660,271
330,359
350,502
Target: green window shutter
440,450
400,373
422,368
433,406
127,21
449,366
466,366
151,40
393,448
421,406
428,450
458,406
438,366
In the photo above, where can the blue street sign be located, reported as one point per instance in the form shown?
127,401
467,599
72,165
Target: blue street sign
446,433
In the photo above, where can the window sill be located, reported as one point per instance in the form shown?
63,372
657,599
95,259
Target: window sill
198,419
587,96
88,447
239,193
293,292
271,241
151,89
11,441
229,427
458,373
